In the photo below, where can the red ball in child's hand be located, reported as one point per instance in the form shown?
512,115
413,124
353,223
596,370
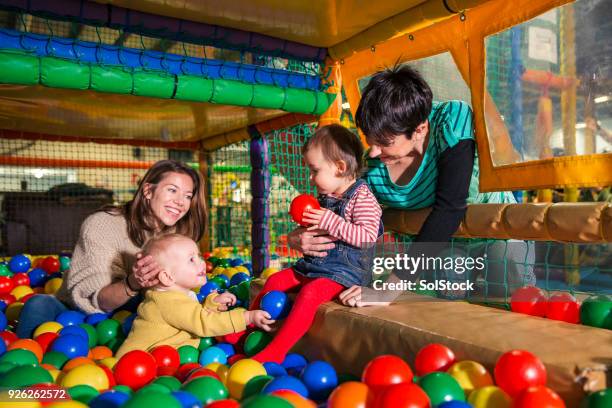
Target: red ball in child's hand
300,204
529,300
564,307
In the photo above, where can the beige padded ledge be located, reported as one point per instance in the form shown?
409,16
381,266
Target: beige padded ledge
563,222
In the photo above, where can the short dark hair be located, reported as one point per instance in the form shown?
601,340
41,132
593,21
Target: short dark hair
394,102
338,143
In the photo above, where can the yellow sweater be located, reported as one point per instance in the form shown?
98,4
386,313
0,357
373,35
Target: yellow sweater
175,319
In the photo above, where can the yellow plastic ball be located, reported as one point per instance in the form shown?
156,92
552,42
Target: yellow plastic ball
218,270
53,285
229,272
121,315
220,369
470,375
54,374
21,291
86,374
47,327
490,397
108,362
13,311
67,404
242,269
240,373
266,273
8,402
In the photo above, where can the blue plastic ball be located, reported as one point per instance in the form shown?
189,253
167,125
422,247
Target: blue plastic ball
2,306
38,277
212,354
96,318
19,264
74,330
55,275
227,348
238,278
248,266
286,383
2,347
275,369
3,321
109,399
294,363
70,318
71,346
276,303
320,378
126,326
236,262
187,399
454,404
209,288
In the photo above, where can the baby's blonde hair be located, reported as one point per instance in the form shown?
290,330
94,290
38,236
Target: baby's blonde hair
157,246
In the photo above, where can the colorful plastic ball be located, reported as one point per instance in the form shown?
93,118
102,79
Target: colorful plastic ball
6,284
24,376
167,359
206,389
76,362
152,399
21,279
276,303
53,285
227,348
38,277
403,395
240,374
275,369
539,396
596,311
47,327
563,307
294,363
351,394
75,330
529,300
92,334
45,339
96,318
50,264
286,383
320,379
212,355
64,263
490,397
4,270
3,321
8,337
19,357
441,387
7,298
470,375
598,399
239,277
255,342
107,330
205,342
455,404
386,370
27,344
85,374
135,369
100,353
299,205
19,264
126,326
202,372
209,288
71,345
55,358
433,357
109,399
188,354
21,291
186,399
518,370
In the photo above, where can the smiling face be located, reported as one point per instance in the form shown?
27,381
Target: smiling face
181,259
400,146
170,199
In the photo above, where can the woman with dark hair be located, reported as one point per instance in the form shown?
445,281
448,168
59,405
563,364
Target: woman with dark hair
107,270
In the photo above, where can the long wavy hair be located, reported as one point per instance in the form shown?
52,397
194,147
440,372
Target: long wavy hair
140,218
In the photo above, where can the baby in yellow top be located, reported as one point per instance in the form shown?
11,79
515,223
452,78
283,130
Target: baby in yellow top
170,313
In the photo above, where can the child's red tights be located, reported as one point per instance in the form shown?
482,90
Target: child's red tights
313,292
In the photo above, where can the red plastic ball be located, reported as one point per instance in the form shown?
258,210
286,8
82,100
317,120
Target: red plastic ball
50,264
386,370
185,369
7,298
539,397
8,337
27,297
300,204
45,340
433,357
109,375
234,338
226,403
529,300
235,358
564,307
209,267
517,370
135,369
167,359
6,285
404,395
202,372
21,279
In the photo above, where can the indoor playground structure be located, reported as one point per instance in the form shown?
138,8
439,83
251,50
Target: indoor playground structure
93,92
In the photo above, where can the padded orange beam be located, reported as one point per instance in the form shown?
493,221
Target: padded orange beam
285,121
545,78
42,162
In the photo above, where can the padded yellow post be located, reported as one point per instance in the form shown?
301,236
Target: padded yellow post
332,114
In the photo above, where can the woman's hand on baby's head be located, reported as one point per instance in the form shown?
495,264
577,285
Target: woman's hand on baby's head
259,318
145,271
225,301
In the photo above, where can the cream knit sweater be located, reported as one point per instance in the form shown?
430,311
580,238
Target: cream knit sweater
103,254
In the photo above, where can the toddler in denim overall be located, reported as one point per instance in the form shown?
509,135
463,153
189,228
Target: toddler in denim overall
349,214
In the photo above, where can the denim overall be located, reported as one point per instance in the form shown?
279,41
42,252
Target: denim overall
346,264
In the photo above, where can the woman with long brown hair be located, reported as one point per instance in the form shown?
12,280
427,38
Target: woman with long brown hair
107,270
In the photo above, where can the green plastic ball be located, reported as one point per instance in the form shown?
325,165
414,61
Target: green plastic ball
206,389
6,367
19,357
599,399
124,389
5,271
206,342
241,290
596,311
220,282
24,376
64,263
83,393
171,383
92,334
441,387
154,387
213,260
224,263
266,401
255,342
255,385
55,358
152,399
188,354
107,330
